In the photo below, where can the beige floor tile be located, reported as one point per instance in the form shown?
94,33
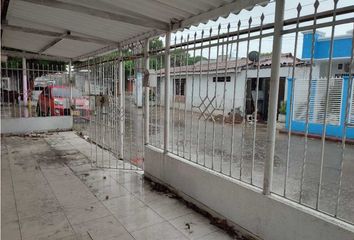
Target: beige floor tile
126,176
72,195
57,193
148,196
10,231
140,218
160,231
107,192
103,228
193,225
169,208
85,212
123,206
219,235
47,226
38,207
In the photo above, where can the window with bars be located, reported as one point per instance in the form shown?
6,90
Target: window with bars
222,79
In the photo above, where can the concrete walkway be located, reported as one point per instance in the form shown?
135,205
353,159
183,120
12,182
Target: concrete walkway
49,191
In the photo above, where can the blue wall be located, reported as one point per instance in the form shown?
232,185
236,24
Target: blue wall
342,47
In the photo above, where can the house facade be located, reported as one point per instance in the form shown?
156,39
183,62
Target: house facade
341,53
338,110
222,84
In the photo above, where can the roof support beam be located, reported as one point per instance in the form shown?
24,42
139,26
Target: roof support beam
28,55
4,8
130,17
123,43
55,41
56,34
234,6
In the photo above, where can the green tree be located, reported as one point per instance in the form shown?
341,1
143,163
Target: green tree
180,57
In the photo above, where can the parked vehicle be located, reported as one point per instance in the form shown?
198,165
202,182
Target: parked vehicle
55,101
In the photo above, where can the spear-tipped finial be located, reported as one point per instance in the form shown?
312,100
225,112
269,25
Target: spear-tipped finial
316,4
262,17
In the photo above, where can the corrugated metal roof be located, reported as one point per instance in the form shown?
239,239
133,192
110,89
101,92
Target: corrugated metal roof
114,21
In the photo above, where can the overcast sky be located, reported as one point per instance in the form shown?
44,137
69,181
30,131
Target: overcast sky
288,40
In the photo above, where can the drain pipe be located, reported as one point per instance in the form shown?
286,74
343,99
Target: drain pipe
273,96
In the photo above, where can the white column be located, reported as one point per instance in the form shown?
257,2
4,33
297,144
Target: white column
273,97
24,81
166,135
147,94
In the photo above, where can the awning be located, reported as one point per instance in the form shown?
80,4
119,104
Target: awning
75,29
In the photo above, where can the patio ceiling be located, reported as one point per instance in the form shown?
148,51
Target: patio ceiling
76,29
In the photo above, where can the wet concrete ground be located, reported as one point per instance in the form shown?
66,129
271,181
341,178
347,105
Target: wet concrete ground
50,191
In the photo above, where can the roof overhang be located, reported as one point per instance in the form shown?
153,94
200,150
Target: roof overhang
77,29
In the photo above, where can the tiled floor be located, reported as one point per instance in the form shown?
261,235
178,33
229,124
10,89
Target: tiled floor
49,191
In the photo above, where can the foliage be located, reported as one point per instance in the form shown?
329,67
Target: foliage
180,57
13,62
155,44
282,109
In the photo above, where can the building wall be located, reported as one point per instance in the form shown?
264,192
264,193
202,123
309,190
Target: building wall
342,46
200,87
335,71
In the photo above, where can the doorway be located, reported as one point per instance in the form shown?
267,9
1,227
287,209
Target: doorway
263,96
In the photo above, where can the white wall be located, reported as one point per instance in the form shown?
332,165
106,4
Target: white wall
200,86
35,124
323,67
268,217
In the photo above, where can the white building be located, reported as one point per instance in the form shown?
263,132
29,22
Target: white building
192,83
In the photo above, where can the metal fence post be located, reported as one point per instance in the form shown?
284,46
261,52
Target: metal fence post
71,83
273,96
166,135
147,93
24,81
121,103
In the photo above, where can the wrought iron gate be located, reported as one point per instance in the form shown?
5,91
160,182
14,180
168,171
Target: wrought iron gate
115,123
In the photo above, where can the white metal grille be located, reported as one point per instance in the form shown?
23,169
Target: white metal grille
300,99
351,110
317,101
